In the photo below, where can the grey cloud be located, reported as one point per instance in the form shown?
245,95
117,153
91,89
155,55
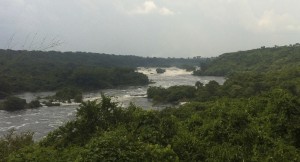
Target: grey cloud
151,28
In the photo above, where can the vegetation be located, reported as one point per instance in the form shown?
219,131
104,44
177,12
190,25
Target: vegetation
253,116
85,78
172,94
43,71
67,94
249,73
258,60
13,104
259,128
188,67
244,84
160,70
34,104
13,142
5,88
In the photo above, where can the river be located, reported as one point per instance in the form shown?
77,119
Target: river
45,119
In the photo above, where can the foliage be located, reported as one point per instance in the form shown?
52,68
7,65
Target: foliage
253,116
189,67
175,94
12,142
160,70
47,71
172,94
259,60
66,94
91,117
259,128
117,146
95,78
34,104
5,88
14,103
242,84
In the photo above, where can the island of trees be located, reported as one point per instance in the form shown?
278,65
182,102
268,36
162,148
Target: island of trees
253,116
160,70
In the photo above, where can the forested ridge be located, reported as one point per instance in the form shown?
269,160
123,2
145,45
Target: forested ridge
259,60
253,116
10,57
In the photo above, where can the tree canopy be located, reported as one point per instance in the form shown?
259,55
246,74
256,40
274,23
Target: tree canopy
259,60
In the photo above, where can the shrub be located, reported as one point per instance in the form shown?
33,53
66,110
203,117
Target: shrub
160,71
34,104
67,94
13,142
14,103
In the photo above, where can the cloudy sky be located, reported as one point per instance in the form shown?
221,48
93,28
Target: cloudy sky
166,28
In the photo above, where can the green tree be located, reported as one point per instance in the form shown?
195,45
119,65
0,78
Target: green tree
14,103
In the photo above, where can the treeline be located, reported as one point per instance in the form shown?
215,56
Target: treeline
172,94
35,78
10,57
260,60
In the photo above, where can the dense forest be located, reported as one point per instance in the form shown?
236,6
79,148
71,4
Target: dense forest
253,116
43,71
264,59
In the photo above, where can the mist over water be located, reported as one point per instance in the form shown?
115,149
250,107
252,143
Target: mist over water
45,119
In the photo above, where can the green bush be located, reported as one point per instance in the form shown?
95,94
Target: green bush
14,103
66,94
160,70
12,142
34,104
171,94
119,146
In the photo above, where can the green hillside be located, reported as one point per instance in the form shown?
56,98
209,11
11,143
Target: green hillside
258,60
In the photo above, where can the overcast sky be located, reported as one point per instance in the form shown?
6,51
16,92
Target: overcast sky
166,28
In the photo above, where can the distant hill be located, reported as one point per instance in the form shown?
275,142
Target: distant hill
12,57
259,60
